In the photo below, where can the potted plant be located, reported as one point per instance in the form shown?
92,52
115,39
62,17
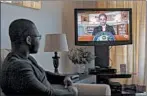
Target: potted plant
80,57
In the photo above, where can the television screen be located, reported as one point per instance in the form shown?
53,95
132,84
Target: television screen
108,26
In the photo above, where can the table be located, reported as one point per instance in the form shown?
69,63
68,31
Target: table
82,78
104,77
116,87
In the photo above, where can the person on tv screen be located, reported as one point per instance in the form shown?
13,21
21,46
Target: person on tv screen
103,29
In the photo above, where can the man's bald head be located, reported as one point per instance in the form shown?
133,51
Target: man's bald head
19,29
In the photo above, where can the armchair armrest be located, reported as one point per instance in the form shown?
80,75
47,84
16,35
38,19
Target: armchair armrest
93,89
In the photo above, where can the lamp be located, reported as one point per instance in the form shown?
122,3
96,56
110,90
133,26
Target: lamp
55,43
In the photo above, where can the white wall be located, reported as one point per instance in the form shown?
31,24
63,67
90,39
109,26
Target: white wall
48,20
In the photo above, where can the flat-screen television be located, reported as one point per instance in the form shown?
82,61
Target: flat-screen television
103,26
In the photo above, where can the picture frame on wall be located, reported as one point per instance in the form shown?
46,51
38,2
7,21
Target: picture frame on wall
30,4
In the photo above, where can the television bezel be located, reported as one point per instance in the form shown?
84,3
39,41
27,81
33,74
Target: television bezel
108,43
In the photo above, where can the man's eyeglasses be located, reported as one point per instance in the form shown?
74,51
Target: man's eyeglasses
39,36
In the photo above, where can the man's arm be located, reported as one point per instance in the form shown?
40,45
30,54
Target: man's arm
24,74
94,31
55,78
52,77
23,71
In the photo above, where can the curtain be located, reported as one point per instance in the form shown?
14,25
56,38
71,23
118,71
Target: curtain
146,54
132,55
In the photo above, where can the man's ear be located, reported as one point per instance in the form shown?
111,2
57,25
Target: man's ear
28,40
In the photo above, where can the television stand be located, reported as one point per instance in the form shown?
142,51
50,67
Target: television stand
116,87
102,56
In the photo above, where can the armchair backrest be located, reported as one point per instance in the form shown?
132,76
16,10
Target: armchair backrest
4,53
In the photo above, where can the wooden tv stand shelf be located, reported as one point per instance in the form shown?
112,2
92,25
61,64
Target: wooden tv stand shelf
117,75
104,77
116,87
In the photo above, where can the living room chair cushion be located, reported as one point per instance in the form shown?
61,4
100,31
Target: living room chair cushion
4,53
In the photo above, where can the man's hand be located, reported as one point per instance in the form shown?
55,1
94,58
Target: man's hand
67,82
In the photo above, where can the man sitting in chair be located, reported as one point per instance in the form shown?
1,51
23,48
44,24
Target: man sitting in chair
21,75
